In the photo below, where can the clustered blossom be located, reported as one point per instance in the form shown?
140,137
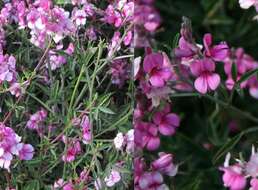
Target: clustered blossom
236,176
72,150
201,60
127,140
146,21
36,121
153,178
11,145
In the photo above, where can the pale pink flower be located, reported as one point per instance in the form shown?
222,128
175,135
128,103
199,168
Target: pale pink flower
113,178
26,152
254,184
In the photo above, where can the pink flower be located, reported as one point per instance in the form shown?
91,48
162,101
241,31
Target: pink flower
233,177
254,184
73,149
86,129
70,49
152,180
79,16
7,68
113,178
252,165
112,16
164,164
217,52
15,89
26,152
157,68
206,78
167,122
10,145
36,119
128,38
146,134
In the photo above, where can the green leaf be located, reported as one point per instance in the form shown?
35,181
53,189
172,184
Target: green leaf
234,71
247,75
106,110
175,41
32,185
226,147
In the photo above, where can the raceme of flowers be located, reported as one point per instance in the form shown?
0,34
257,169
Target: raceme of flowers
237,175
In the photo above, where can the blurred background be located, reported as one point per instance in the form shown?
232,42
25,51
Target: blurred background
203,130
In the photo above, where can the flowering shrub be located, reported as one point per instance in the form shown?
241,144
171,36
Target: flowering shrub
123,94
65,91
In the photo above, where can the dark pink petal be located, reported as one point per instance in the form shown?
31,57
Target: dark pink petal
196,67
172,119
213,81
208,65
153,143
201,85
207,40
157,117
165,73
153,60
220,52
166,129
156,81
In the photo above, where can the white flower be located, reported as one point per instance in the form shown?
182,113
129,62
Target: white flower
246,4
119,141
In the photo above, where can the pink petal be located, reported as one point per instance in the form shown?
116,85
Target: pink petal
201,85
172,119
153,143
156,81
213,81
166,129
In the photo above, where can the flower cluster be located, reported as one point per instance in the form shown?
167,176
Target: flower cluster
152,178
146,21
121,141
11,145
235,176
36,121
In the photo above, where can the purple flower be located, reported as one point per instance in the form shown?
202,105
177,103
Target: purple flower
167,122
26,152
157,68
113,178
146,134
206,78
217,52
165,165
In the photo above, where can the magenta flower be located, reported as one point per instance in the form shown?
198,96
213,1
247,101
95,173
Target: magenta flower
157,68
217,52
112,16
26,152
254,184
146,134
164,164
167,122
152,180
79,16
234,178
206,78
86,129
73,149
